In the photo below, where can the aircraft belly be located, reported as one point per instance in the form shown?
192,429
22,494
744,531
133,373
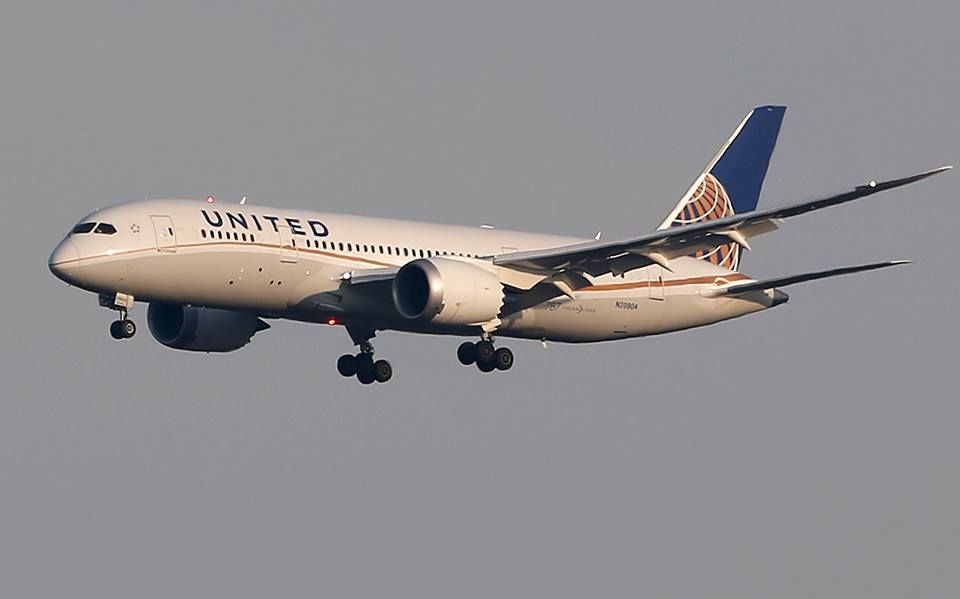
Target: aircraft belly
249,280
619,317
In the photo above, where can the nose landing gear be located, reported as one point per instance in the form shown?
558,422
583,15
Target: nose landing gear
124,328
487,357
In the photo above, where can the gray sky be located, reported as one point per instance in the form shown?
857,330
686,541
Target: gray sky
807,452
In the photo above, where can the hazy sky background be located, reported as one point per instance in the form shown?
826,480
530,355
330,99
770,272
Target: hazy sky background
811,451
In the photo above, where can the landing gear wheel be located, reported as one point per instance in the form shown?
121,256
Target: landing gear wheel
365,373
486,366
503,359
364,362
128,328
382,371
347,365
366,376
467,353
485,351
116,329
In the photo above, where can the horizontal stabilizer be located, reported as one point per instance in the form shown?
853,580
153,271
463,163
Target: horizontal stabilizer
803,278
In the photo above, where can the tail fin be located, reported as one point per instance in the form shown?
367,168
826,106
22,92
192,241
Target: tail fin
731,182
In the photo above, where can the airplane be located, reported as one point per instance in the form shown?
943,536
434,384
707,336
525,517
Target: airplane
213,274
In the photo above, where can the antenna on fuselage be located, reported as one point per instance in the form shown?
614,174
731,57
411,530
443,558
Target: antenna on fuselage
243,200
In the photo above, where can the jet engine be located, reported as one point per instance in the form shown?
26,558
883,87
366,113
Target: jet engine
202,329
445,291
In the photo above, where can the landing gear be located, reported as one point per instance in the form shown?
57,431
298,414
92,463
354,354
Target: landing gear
124,328
364,367
487,357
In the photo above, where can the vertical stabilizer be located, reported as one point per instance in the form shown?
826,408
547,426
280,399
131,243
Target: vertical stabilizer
732,181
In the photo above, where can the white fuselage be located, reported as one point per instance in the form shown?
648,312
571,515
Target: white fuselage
297,264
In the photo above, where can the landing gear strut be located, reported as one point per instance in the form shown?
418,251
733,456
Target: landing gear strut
363,366
123,328
487,357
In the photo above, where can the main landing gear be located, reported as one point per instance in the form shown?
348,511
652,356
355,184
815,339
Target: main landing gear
364,367
487,357
123,328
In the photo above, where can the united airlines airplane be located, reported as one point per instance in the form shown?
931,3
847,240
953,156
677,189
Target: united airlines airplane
214,274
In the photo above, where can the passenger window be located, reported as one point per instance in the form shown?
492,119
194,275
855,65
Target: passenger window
203,233
341,246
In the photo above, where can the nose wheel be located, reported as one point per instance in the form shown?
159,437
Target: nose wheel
123,328
485,355
364,367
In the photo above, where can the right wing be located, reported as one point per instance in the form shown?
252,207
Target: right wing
617,257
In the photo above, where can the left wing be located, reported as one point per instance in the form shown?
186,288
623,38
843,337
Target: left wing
617,257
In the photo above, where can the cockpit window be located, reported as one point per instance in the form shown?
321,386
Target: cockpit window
105,229
84,228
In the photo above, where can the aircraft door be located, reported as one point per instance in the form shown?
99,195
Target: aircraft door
165,233
655,282
288,247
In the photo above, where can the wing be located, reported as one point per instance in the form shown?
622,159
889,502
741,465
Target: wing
602,257
801,278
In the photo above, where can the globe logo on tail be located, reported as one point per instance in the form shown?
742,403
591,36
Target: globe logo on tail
710,202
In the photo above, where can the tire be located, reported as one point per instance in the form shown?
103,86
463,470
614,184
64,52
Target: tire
116,329
382,371
366,376
503,359
347,365
364,362
467,353
485,351
128,328
486,366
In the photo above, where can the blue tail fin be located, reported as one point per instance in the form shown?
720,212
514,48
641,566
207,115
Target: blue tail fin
731,182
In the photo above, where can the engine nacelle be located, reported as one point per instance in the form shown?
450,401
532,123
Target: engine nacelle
446,291
202,329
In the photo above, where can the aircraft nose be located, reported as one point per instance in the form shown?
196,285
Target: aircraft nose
64,260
